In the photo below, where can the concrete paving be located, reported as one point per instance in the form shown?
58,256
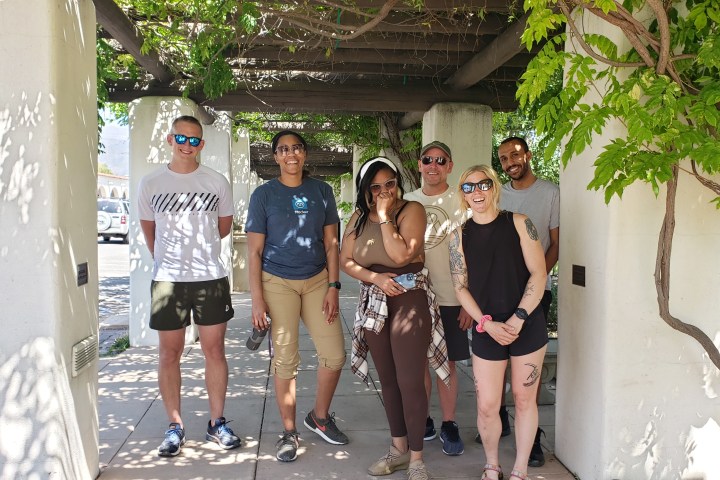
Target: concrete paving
133,421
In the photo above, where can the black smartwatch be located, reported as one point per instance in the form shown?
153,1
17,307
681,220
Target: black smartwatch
334,284
521,313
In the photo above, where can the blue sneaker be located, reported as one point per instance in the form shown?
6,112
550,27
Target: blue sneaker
174,439
221,434
450,438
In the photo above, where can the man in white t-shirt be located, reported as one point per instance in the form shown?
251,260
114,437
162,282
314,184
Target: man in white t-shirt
185,210
444,214
539,200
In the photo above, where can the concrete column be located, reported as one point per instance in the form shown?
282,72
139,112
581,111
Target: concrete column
241,183
464,127
150,122
635,398
48,240
217,154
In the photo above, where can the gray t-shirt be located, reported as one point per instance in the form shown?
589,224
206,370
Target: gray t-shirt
540,202
292,220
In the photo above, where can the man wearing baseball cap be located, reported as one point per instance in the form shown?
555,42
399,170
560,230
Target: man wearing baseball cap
444,214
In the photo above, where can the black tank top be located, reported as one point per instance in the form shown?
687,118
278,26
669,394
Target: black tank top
497,275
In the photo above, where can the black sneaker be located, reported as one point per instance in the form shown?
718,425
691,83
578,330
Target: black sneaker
505,420
450,438
537,457
221,434
287,446
174,439
430,432
326,428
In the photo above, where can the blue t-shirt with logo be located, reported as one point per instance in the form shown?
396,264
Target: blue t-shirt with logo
292,220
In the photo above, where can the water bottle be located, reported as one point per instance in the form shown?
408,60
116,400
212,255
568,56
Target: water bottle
257,336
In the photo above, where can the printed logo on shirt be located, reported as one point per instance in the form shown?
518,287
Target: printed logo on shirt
185,202
300,205
437,228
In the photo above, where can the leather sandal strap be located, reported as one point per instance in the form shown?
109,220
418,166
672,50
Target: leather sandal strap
519,474
495,468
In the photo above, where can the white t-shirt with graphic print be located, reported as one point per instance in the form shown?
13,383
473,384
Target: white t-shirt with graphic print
444,214
185,208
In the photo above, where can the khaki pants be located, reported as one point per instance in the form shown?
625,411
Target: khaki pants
290,300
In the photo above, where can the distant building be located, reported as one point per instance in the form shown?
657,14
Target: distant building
112,186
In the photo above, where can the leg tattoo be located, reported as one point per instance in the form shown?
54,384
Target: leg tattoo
534,375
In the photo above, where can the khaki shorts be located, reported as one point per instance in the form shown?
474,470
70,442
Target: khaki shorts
172,302
290,300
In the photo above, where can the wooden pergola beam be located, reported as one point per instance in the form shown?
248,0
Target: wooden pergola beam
349,97
392,41
504,47
343,55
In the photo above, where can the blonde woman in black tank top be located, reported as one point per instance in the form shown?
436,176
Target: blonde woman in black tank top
498,272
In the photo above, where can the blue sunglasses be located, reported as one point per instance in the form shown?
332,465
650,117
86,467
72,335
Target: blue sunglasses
181,139
483,185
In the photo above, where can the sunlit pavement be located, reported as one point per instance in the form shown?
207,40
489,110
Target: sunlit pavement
133,421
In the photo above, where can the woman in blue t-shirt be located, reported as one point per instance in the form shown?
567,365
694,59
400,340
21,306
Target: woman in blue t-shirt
292,230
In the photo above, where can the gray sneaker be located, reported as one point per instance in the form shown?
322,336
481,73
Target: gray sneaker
326,428
287,446
393,460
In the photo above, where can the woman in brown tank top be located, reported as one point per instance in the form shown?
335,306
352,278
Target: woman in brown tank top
397,314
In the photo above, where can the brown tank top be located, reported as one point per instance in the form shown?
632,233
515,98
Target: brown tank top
369,249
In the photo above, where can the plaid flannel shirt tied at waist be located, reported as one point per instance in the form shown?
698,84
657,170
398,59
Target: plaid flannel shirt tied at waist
371,313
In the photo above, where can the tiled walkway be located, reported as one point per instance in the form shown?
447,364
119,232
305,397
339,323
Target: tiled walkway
132,419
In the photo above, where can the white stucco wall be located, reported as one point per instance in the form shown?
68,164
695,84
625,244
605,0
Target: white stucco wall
635,399
48,158
464,127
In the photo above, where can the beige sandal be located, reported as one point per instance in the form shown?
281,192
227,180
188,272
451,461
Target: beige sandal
519,474
490,466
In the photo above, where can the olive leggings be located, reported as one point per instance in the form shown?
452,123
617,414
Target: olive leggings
400,355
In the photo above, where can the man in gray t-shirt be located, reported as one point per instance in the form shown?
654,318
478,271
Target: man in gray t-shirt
539,200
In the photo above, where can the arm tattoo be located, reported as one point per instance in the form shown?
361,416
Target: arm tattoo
458,270
529,290
532,231
534,375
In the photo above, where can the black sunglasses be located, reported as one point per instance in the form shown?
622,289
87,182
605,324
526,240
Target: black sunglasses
483,185
180,139
438,160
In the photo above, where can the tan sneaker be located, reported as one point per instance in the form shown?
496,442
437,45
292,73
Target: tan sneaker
393,460
417,471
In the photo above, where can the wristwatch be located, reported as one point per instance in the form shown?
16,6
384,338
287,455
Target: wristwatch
334,284
521,313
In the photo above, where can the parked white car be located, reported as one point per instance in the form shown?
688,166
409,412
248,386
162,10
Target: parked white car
113,218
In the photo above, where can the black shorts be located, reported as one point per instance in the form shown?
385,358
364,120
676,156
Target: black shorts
171,303
532,338
458,347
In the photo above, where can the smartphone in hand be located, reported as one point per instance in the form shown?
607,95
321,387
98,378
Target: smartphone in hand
406,280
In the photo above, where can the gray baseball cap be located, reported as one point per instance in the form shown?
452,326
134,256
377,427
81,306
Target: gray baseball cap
436,144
